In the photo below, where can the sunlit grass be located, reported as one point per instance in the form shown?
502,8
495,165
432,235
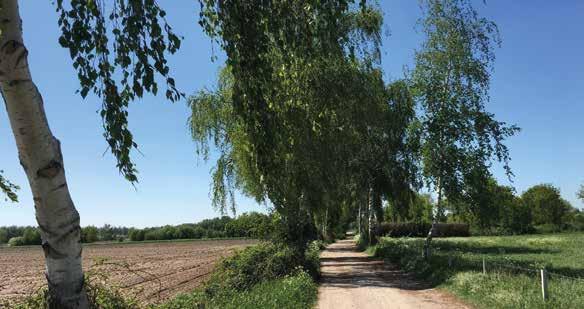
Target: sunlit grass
512,262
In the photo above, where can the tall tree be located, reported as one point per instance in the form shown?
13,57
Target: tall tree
580,193
301,70
452,78
117,55
546,204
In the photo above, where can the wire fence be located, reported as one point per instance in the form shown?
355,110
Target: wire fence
487,264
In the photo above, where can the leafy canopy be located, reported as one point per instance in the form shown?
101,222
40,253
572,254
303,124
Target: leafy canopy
118,49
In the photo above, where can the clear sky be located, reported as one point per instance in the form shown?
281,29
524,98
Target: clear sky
538,84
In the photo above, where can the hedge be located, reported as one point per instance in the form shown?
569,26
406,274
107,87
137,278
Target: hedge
414,229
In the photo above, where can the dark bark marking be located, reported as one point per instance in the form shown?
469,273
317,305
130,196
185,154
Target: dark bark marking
50,170
59,187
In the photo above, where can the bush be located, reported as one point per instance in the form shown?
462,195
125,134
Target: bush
547,228
414,229
267,275
136,235
248,267
31,236
89,234
16,241
312,258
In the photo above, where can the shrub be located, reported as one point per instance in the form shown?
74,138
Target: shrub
547,228
31,236
89,234
415,229
136,235
267,275
263,262
16,241
312,258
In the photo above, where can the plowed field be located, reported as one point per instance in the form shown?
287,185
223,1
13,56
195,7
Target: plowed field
149,272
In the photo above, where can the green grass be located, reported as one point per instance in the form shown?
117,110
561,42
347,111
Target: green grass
512,279
297,291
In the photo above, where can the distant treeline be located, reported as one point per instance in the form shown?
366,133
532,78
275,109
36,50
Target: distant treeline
496,210
253,225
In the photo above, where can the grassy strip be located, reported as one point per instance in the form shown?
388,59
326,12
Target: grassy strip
512,279
263,276
297,291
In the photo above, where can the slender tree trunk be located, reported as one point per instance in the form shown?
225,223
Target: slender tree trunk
434,221
325,227
40,156
369,213
359,219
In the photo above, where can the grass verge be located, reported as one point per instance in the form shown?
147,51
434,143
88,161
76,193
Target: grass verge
296,291
263,276
512,263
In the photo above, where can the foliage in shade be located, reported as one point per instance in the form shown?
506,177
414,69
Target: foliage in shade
118,49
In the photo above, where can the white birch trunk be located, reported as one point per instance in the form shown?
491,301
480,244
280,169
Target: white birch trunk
40,156
359,220
369,213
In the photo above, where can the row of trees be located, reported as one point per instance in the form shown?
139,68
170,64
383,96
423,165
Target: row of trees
31,235
497,209
305,120
302,117
252,225
20,236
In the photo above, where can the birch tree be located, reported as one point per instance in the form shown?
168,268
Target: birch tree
117,56
452,77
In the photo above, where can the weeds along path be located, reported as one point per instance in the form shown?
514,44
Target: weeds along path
352,279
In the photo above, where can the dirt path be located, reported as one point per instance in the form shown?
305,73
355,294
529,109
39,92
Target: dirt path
352,279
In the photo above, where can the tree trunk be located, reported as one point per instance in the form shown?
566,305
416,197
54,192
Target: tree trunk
40,156
369,214
325,226
432,231
359,219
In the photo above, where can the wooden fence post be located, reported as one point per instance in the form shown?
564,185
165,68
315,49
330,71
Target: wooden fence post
484,267
544,284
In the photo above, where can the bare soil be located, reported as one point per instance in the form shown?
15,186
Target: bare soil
149,272
352,279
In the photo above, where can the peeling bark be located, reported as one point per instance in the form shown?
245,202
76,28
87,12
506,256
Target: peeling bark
40,156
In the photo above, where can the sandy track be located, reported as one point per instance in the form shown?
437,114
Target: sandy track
352,279
148,272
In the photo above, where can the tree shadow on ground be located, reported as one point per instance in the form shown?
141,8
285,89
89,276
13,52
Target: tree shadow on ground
357,271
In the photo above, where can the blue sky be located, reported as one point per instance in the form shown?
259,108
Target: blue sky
537,84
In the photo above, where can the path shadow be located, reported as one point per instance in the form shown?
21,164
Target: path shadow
352,269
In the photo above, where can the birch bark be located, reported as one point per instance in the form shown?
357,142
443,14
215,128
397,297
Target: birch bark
40,156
